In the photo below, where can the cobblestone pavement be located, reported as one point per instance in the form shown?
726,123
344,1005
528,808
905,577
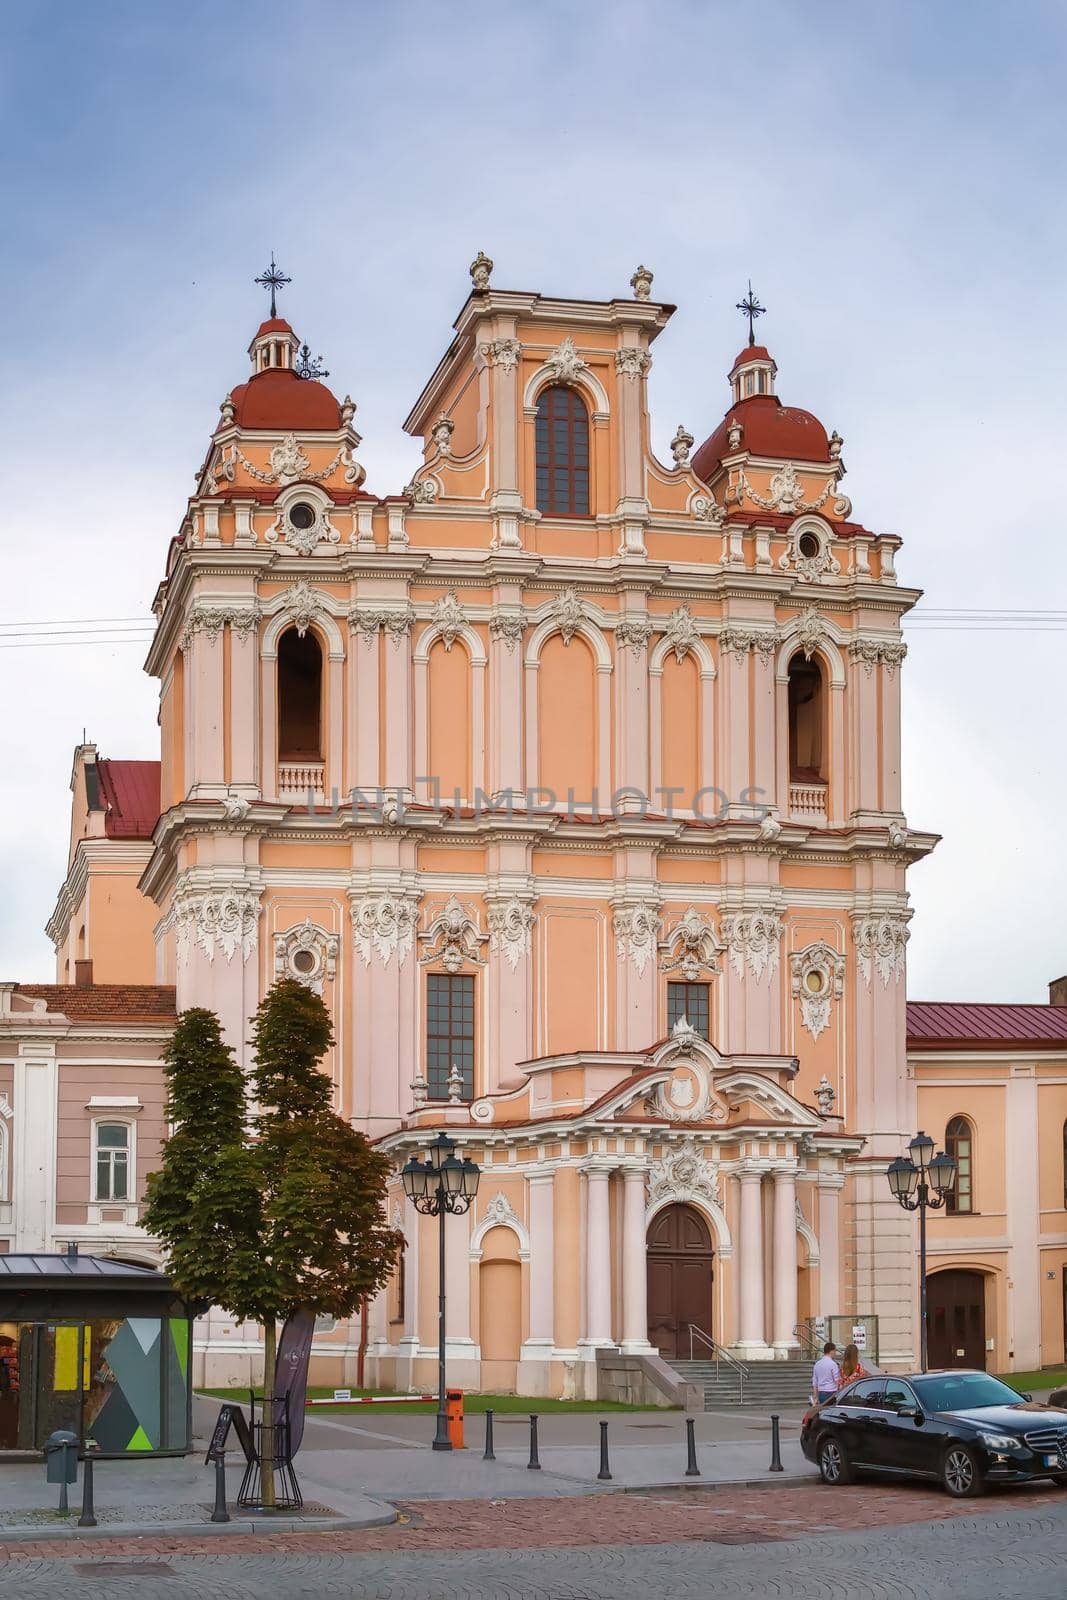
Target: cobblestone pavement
871,1543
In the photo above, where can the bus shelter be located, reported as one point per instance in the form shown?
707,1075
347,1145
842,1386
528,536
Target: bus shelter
97,1346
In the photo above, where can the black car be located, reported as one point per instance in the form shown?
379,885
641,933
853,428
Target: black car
965,1429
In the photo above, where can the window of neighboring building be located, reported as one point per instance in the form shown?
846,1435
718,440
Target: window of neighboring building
959,1144
449,1032
111,1160
562,451
805,721
299,697
691,1001
1064,1177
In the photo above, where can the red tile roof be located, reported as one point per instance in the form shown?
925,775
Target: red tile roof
119,1002
130,792
933,1025
280,398
770,429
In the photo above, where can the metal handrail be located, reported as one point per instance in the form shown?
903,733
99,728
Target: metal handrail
805,1333
720,1355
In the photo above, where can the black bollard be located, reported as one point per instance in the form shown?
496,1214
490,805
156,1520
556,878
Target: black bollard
488,1456
219,1512
691,1468
88,1516
605,1473
534,1464
776,1448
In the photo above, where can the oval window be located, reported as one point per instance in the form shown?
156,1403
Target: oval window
808,545
302,515
814,981
304,961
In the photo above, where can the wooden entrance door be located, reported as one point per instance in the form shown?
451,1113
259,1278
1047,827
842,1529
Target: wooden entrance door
955,1313
679,1279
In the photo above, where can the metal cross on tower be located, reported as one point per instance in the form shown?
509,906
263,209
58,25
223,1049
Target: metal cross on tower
273,279
751,308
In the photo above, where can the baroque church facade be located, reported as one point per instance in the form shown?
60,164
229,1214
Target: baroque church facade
570,778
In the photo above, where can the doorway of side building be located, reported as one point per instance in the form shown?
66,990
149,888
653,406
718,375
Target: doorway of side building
680,1276
955,1314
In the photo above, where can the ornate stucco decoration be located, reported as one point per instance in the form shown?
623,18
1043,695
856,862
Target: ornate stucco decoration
569,612
502,353
449,618
636,929
752,937
817,979
690,947
224,919
480,268
303,540
881,943
707,509
681,445
245,619
632,362
633,634
301,605
687,1095
5,1108
565,364
354,471
869,652
422,491
786,492
683,1174
814,564
681,632
734,431
397,623
441,434
384,924
738,639
500,1213
420,1091
288,464
453,937
825,1094
509,627
235,806
511,924
307,953
811,631
205,619
641,283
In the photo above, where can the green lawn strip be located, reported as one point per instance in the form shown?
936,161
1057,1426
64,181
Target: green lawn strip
1030,1381
473,1404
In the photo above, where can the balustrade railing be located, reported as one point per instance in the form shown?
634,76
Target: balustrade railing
807,800
297,778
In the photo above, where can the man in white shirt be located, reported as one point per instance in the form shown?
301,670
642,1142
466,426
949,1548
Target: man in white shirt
825,1376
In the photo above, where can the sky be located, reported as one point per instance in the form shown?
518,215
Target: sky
890,177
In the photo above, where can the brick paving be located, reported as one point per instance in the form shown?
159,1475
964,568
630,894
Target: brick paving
656,1517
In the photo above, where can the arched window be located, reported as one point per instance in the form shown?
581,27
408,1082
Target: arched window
562,436
806,720
299,697
959,1144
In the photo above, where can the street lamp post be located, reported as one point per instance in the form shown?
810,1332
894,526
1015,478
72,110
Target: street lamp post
921,1184
440,1185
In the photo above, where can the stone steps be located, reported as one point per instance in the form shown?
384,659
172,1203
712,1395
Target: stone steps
767,1383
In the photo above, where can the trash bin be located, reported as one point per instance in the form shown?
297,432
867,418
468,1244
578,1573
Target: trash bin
61,1461
454,1414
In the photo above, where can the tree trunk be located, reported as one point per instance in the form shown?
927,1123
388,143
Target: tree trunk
266,1465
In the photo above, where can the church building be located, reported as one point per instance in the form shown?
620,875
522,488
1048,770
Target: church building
570,778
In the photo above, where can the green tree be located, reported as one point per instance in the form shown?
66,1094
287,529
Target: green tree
292,1216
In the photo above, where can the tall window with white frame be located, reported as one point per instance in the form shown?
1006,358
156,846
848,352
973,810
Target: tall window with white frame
562,453
449,1033
691,1001
111,1162
959,1144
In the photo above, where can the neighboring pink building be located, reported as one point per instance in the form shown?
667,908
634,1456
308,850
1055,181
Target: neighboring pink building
620,901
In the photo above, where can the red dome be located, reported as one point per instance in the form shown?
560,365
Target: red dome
273,325
770,429
752,352
278,398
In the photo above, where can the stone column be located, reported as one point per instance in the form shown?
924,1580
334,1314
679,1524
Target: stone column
537,1347
751,1343
597,1260
634,1266
785,1261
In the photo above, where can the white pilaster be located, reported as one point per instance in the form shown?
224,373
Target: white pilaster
34,1127
539,1345
634,1263
597,1260
785,1261
751,1344
830,1287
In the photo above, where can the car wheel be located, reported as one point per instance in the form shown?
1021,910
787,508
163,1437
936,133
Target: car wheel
960,1472
834,1466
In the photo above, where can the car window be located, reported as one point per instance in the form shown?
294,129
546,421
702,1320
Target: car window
897,1395
868,1393
963,1391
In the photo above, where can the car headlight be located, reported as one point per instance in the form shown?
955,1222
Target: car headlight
999,1441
